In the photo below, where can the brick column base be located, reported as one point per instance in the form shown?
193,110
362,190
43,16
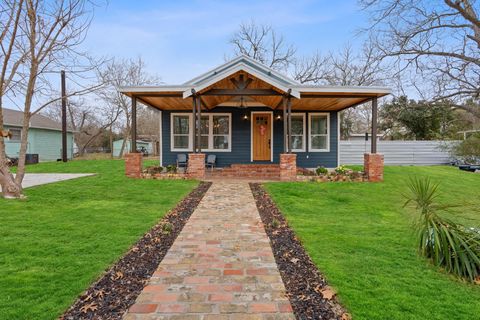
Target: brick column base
196,165
133,165
288,167
373,166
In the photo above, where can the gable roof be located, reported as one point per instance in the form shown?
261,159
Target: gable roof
246,64
14,118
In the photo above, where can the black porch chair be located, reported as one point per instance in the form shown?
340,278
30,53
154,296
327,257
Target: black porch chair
211,160
182,160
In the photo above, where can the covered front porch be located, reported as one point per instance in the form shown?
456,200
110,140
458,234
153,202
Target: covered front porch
245,113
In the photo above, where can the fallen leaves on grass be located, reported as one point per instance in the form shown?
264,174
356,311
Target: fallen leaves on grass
328,293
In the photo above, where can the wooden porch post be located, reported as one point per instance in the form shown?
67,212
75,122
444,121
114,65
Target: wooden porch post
374,125
285,143
133,129
289,103
194,119
199,124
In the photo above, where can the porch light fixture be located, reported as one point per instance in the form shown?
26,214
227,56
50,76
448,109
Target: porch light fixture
278,117
245,117
242,102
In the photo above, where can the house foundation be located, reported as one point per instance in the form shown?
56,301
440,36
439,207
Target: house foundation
196,166
288,167
373,166
133,165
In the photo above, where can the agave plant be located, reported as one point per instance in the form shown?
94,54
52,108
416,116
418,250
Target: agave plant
449,245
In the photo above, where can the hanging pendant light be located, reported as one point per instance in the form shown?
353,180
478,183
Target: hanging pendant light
242,102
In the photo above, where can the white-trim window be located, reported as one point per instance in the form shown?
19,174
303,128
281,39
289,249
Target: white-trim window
298,132
221,132
16,135
319,132
181,132
215,131
205,131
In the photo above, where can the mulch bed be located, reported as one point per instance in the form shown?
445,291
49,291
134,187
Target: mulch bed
308,291
117,289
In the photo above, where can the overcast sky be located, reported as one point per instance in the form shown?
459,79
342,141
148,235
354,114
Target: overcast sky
181,39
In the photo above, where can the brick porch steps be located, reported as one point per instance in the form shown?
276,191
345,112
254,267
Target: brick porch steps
251,171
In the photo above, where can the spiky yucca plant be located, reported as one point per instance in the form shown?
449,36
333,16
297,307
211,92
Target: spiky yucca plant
449,245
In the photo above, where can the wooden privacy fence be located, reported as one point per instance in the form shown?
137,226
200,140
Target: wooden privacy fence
397,152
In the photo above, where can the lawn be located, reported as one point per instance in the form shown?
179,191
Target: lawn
59,240
361,238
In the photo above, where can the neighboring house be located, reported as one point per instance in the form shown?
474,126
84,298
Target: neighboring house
244,115
44,136
117,146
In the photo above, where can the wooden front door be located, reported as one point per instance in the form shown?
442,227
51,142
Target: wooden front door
262,136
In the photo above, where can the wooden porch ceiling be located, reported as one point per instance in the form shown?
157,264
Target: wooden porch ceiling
225,92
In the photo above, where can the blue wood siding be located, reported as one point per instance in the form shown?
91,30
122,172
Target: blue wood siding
241,140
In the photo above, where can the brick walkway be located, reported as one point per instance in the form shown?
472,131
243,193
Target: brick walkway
220,267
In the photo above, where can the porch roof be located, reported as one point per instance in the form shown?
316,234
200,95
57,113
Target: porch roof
244,82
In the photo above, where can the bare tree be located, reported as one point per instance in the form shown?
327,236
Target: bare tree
345,68
438,42
88,122
262,43
37,37
11,59
121,73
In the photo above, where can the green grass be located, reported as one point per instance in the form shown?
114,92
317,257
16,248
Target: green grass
362,239
59,240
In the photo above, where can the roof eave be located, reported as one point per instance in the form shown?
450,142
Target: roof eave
379,91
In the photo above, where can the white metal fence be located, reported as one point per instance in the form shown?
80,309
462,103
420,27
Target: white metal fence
397,152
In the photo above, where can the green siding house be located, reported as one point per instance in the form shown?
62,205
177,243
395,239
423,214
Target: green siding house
117,146
44,136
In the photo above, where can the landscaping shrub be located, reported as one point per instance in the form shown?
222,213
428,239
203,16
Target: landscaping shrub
341,169
154,169
449,245
321,171
468,149
171,168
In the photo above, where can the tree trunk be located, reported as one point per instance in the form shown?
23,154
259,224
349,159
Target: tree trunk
111,141
125,139
10,189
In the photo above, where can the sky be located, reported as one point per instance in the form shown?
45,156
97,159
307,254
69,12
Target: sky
179,40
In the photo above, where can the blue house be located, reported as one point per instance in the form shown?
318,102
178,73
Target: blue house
246,113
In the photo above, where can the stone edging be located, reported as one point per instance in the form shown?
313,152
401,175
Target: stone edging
116,290
307,289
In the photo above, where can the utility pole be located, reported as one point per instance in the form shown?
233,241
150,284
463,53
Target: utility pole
64,118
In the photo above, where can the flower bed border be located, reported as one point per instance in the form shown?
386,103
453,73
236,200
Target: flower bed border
117,289
306,287
165,176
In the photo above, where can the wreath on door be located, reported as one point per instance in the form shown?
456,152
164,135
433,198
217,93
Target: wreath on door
263,128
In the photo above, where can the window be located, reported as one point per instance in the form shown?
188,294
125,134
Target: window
319,132
298,132
221,132
215,132
181,132
16,134
204,131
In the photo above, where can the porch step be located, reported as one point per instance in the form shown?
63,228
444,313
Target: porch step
251,171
